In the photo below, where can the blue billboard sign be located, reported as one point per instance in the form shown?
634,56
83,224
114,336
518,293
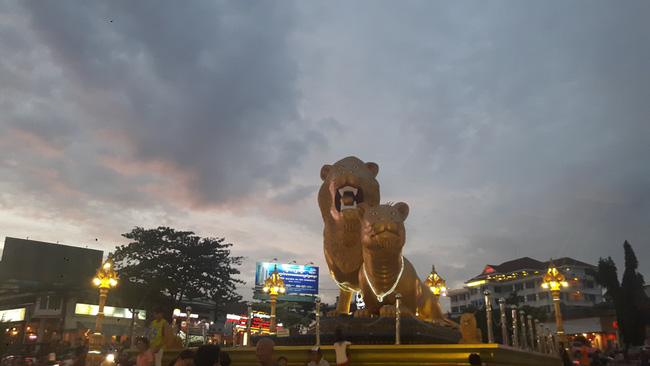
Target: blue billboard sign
297,279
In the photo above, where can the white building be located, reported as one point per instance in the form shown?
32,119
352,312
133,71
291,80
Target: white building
523,278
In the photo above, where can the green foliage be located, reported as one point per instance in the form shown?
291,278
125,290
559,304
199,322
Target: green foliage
537,312
178,264
633,318
513,298
290,314
630,301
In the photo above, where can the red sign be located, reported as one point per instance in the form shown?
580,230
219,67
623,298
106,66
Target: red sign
615,325
260,321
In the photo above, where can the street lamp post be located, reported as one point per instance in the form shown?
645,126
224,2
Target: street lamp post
436,283
274,285
554,281
105,279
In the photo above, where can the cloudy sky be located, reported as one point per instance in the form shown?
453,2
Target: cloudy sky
510,128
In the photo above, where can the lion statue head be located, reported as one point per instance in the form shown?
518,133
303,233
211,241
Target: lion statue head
382,227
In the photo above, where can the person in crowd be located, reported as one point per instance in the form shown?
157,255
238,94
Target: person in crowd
564,355
145,358
584,354
341,348
316,356
159,329
264,352
224,359
80,356
282,361
207,355
599,360
474,359
185,358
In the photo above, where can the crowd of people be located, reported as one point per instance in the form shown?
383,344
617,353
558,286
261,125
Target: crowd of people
151,350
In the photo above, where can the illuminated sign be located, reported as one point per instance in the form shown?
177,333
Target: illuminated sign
12,315
260,321
87,309
476,283
178,314
297,279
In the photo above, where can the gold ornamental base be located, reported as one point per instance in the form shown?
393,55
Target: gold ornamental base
408,354
95,344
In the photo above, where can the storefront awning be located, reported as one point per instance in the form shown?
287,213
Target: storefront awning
578,326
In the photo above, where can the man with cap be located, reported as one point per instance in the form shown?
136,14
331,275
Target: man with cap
316,355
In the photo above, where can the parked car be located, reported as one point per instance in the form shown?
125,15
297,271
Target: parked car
575,348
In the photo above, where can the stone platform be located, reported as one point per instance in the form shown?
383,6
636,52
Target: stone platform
374,331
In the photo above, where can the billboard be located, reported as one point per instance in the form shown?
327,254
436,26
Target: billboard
297,279
31,260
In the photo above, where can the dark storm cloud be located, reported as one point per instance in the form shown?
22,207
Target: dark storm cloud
510,128
209,90
517,124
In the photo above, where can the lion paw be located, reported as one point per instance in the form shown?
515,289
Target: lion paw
362,313
387,311
333,313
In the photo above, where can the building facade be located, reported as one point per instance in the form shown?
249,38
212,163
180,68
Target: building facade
520,281
46,297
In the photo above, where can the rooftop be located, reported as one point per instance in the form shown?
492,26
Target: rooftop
526,264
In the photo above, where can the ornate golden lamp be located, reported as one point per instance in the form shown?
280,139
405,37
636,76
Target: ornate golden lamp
554,281
274,285
105,279
436,283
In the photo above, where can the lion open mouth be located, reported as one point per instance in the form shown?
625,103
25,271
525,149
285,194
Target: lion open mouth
347,198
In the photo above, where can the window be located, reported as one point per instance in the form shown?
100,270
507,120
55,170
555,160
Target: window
531,297
519,287
454,309
497,289
50,302
542,295
591,297
576,296
530,284
521,299
462,307
590,272
589,284
454,298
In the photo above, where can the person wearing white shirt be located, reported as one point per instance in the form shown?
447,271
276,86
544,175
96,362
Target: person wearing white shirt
316,355
341,348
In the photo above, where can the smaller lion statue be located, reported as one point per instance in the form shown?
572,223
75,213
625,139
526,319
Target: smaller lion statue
385,272
470,333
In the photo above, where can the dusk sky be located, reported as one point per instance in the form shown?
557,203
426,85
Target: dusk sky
511,129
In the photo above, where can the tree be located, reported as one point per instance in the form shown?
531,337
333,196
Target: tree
178,264
291,314
629,298
632,296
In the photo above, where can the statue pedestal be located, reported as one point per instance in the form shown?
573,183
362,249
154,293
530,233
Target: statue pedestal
95,345
374,331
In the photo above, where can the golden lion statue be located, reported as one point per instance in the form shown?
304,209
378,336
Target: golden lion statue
346,184
470,333
385,272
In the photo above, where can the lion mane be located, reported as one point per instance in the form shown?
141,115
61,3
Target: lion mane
346,184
